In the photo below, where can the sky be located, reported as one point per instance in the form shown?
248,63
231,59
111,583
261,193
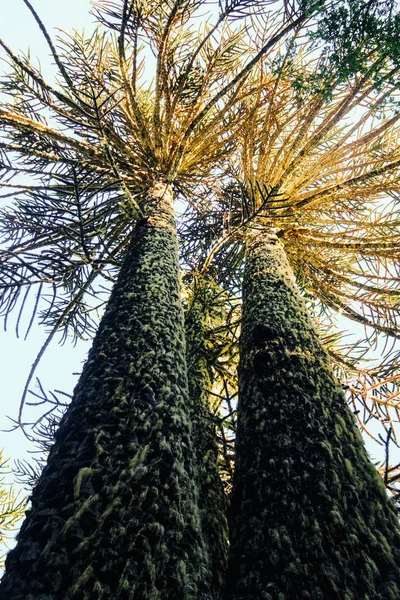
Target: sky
20,32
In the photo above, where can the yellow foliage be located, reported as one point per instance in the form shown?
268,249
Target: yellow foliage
12,509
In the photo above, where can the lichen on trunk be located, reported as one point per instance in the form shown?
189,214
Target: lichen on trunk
115,513
212,499
309,514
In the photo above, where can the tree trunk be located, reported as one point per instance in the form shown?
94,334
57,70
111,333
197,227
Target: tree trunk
212,500
115,512
310,515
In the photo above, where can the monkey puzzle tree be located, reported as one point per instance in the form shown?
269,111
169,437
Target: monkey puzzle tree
309,515
117,512
209,314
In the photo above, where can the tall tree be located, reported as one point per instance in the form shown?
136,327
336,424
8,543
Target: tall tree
205,312
107,151
130,483
310,517
116,510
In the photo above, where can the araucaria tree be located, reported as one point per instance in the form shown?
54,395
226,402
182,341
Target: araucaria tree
130,503
317,185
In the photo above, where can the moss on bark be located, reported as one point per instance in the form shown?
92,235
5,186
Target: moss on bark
115,512
212,500
310,518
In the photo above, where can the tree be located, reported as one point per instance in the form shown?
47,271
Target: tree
135,141
123,472
212,499
317,521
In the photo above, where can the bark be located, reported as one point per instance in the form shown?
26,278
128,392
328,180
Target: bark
115,513
212,499
310,518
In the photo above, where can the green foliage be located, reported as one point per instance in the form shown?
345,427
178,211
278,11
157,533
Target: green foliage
353,30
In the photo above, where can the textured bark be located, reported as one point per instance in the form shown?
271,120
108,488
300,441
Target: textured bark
212,499
115,512
310,516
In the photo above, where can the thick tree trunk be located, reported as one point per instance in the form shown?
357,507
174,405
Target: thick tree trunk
310,516
212,499
115,512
